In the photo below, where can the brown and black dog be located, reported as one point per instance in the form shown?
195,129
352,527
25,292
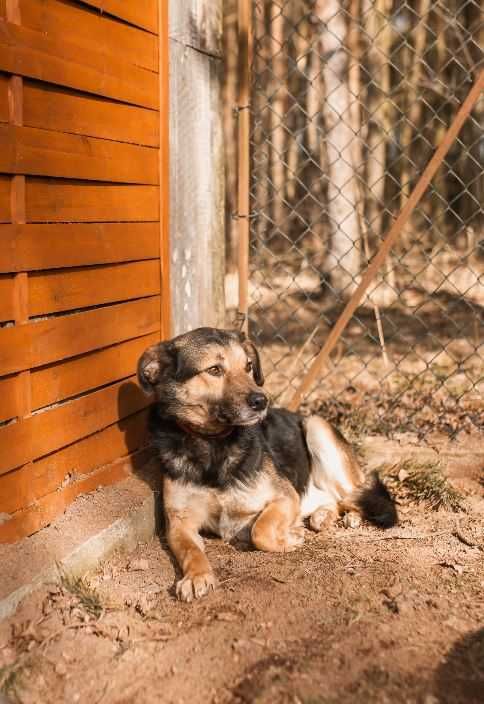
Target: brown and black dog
233,466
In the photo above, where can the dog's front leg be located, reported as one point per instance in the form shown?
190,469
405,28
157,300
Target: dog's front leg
187,546
185,512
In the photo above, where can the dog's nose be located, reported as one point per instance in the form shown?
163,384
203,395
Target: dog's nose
257,400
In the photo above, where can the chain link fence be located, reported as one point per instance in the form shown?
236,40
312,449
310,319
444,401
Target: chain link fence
349,100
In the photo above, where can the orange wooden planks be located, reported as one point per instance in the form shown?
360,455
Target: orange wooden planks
9,398
27,150
83,416
142,13
40,343
32,54
50,246
66,289
67,336
54,108
7,292
15,445
51,200
3,98
14,348
4,199
68,378
42,433
22,486
92,31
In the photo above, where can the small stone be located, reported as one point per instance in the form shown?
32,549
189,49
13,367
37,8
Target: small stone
61,669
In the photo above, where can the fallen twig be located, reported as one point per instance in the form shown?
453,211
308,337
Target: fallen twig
423,536
463,539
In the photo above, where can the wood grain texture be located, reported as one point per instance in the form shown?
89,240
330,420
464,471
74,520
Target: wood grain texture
142,13
197,24
27,150
7,298
3,98
31,54
4,199
24,485
92,31
50,200
46,341
81,225
66,289
68,378
59,109
43,433
43,512
14,349
197,203
9,398
51,246
71,335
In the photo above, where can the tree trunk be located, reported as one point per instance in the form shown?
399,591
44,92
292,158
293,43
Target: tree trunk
343,260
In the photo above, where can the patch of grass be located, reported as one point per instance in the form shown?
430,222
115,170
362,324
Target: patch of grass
10,677
422,483
87,597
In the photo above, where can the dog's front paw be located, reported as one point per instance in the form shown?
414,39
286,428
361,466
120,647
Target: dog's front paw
294,539
195,586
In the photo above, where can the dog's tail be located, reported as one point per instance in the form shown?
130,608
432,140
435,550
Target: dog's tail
376,504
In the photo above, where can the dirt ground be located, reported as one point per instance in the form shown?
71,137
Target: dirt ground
353,616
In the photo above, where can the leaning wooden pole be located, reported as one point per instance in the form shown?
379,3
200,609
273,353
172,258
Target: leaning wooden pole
243,105
392,236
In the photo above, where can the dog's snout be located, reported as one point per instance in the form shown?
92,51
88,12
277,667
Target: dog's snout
257,400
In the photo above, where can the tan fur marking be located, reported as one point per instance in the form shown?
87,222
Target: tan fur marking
183,524
279,527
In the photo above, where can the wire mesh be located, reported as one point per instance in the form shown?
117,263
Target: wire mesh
349,101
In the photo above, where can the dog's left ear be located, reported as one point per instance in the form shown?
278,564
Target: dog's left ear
254,357
154,363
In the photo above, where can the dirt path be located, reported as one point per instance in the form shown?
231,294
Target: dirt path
359,616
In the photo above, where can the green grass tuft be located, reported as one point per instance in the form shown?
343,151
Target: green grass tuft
88,598
10,676
422,483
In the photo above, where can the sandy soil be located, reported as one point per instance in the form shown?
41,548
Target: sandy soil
353,616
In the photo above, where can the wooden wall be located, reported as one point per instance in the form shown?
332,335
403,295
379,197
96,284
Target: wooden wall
82,245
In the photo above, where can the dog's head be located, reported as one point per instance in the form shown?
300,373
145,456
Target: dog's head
207,378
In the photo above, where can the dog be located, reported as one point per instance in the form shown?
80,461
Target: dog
238,468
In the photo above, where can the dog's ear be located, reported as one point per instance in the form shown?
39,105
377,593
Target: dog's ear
253,355
153,363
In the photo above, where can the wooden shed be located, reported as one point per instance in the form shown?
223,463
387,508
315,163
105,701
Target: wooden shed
84,243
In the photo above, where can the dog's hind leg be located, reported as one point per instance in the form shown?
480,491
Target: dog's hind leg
339,480
278,528
335,474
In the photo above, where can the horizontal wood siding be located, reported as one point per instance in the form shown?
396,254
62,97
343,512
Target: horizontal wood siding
54,108
31,54
50,246
81,291
52,200
27,150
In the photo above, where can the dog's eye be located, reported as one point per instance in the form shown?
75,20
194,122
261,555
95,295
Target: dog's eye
248,366
215,370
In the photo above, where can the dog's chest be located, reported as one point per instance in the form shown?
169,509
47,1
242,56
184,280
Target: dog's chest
235,509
